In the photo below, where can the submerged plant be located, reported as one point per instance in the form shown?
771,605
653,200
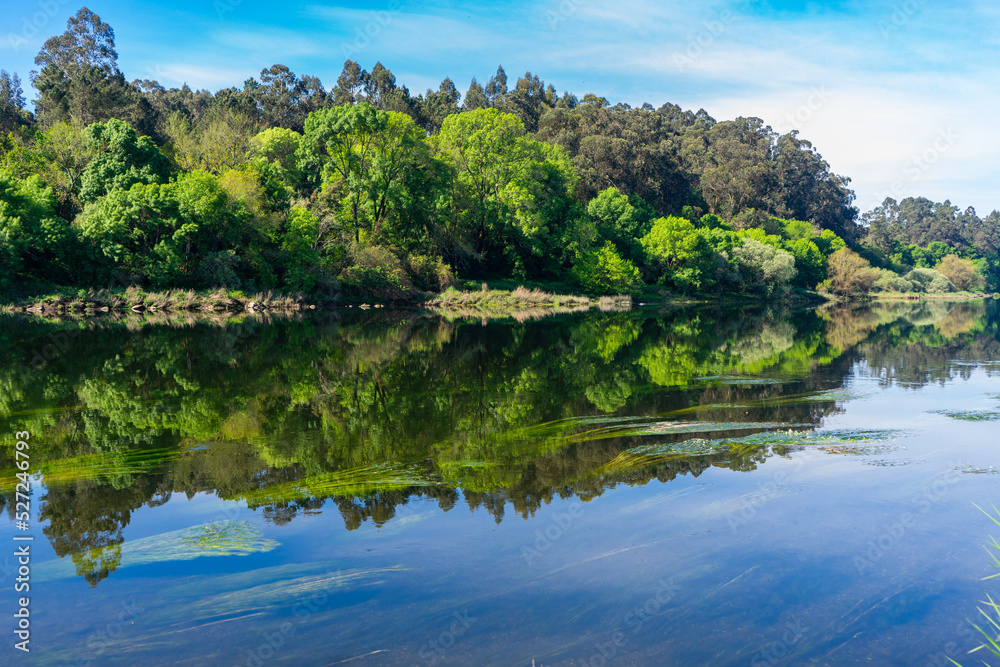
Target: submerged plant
991,633
352,482
970,415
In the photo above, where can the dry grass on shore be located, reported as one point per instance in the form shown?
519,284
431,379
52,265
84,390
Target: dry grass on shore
521,304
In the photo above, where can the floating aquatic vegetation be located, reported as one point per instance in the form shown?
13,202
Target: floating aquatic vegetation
974,470
95,467
670,428
741,380
887,463
227,538
824,396
833,438
861,449
970,415
224,538
601,420
349,482
857,442
833,395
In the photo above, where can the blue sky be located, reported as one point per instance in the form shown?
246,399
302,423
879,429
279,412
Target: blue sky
897,95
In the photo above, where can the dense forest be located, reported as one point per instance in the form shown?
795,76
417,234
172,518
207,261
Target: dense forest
366,188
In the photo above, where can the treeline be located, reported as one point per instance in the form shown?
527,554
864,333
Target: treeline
284,183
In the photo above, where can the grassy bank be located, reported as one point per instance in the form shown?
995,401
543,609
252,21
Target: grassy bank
924,296
521,303
137,300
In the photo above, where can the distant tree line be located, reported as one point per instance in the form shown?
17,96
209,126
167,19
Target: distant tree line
282,183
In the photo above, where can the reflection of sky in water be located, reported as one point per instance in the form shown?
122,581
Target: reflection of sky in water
815,557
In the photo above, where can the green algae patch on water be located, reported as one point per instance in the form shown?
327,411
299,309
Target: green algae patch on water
358,482
681,428
738,380
227,538
970,415
223,538
95,467
860,442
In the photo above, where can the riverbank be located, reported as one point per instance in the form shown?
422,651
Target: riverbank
479,300
133,299
924,296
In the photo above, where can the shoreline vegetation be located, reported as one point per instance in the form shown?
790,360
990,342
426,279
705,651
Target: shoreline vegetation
283,195
487,303
520,303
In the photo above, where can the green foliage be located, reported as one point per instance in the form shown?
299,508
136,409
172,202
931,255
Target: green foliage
604,271
848,273
33,240
929,280
828,242
366,154
302,259
890,281
796,229
429,274
762,267
180,233
510,193
681,255
377,272
123,159
962,273
618,220
810,264
277,146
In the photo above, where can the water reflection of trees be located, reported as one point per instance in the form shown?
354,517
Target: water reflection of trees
246,408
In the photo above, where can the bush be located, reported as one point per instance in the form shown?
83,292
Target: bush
930,281
962,273
680,254
429,274
218,269
378,272
605,272
890,281
762,267
849,273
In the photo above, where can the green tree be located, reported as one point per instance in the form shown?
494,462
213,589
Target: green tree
762,267
34,242
221,140
278,146
618,220
509,191
680,253
123,159
184,233
603,271
848,273
78,78
12,112
435,106
962,273
366,153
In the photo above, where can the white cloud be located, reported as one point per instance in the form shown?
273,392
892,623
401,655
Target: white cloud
199,76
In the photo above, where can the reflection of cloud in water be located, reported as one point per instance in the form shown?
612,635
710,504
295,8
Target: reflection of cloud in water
224,538
661,498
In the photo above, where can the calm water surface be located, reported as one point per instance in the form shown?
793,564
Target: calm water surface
684,487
